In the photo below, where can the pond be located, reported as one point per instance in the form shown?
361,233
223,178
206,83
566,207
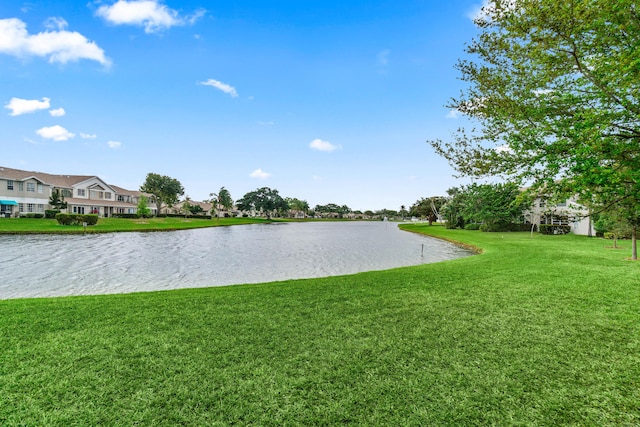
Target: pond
58,265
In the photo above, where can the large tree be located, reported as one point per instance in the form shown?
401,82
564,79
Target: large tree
265,200
554,87
165,189
222,199
297,205
428,208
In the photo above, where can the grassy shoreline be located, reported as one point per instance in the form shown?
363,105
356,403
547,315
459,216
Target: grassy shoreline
535,331
114,225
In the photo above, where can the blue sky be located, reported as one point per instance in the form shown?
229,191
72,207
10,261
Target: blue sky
327,101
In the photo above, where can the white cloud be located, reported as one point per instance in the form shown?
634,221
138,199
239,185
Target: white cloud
56,23
453,114
320,145
260,174
150,14
57,133
88,136
59,46
221,86
114,144
20,106
58,112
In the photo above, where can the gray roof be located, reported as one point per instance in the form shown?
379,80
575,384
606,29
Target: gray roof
60,181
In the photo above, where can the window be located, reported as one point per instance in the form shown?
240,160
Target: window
20,207
96,195
40,208
10,185
31,187
67,193
120,199
78,210
81,192
30,207
40,188
107,195
21,186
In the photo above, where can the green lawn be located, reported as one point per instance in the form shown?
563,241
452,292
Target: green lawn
107,225
534,331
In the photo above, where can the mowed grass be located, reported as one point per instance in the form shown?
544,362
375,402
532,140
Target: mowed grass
534,331
109,225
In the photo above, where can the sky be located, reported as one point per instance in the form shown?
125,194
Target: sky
326,101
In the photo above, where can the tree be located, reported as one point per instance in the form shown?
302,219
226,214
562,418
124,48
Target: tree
555,89
495,206
332,208
224,199
195,209
263,200
186,207
614,223
56,200
297,205
166,190
428,208
143,208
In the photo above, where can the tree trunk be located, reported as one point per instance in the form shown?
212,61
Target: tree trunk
634,246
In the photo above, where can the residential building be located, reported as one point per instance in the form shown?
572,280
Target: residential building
569,213
24,192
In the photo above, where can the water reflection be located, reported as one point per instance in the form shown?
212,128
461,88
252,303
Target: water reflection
55,265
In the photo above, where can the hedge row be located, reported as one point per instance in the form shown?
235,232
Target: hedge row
32,215
76,219
184,216
494,227
131,216
554,229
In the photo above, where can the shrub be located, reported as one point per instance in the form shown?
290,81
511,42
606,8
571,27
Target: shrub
613,235
126,215
172,215
554,229
51,213
76,219
473,226
32,215
495,226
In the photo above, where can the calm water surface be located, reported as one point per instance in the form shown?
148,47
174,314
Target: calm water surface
55,265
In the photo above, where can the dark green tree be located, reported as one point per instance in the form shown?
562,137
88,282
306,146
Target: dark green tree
495,206
265,200
56,200
143,207
165,189
428,208
554,93
297,205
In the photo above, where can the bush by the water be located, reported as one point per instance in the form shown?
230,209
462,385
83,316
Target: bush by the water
76,219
